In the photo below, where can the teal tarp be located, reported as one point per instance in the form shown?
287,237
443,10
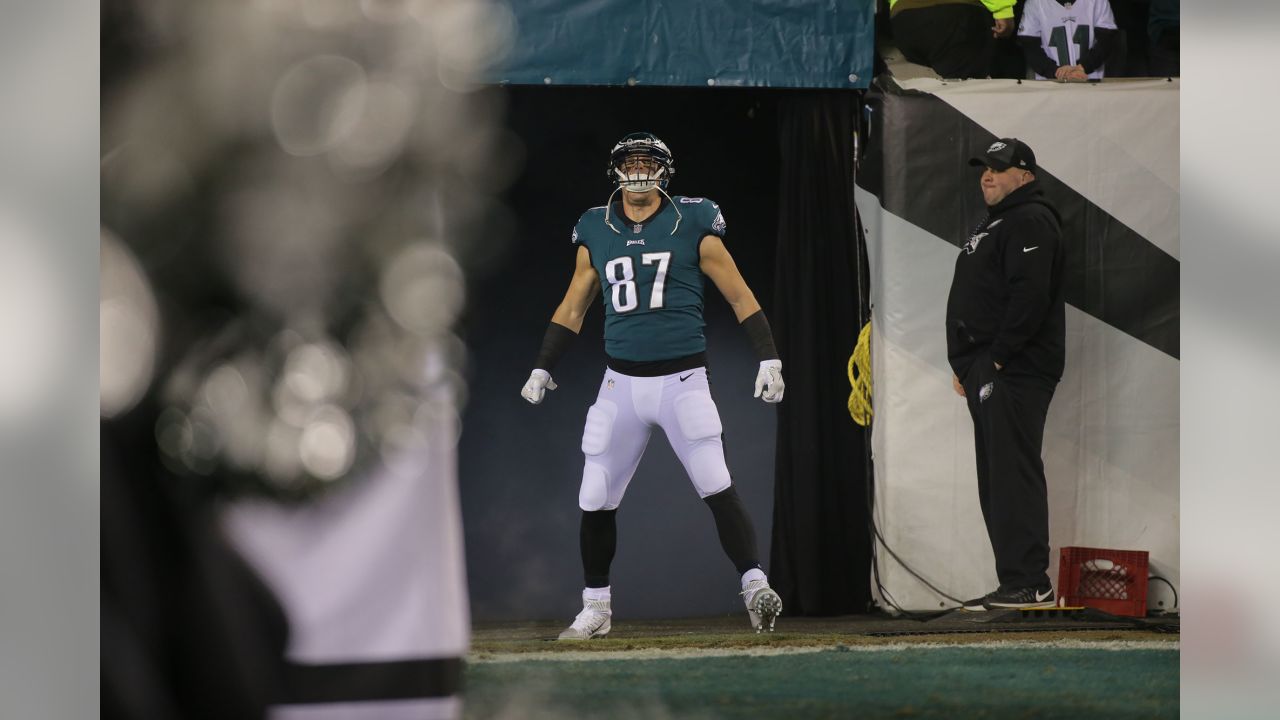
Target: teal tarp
735,43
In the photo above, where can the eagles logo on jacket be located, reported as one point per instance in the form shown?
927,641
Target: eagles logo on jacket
1007,295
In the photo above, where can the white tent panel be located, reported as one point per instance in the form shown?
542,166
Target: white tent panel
1111,442
1116,143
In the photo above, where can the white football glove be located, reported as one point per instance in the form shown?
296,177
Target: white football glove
539,382
769,385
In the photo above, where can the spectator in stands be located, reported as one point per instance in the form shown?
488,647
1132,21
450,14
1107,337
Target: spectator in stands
1162,27
953,37
1066,40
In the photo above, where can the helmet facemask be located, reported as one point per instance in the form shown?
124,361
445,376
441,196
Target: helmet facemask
639,172
641,162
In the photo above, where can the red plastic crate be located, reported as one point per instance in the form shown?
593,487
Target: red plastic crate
1113,581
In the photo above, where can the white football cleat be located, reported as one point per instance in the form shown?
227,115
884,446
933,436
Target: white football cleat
595,621
763,605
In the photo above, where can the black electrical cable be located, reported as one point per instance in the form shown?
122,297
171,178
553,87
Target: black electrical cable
1171,587
877,538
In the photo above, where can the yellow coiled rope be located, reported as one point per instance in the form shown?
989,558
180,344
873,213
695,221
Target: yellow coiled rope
860,378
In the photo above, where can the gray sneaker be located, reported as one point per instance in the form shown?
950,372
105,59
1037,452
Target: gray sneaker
763,605
595,621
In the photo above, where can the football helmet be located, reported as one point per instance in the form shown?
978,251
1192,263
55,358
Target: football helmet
641,162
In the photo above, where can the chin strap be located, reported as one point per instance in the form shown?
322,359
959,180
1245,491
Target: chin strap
679,217
608,204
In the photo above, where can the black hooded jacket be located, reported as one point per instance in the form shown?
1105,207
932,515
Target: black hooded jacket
1006,302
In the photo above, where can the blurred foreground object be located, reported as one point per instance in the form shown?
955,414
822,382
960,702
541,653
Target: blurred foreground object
34,347
290,193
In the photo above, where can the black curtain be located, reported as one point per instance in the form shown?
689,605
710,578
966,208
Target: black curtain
821,551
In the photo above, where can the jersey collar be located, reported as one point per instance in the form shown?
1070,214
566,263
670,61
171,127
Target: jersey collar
620,213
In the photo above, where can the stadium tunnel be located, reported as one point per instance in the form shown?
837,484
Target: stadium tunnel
779,163
769,134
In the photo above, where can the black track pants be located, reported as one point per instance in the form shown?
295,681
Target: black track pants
1008,426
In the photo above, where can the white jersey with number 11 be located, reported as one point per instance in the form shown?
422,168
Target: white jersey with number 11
1066,32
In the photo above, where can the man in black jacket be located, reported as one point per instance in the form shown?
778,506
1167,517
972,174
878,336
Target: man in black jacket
1006,337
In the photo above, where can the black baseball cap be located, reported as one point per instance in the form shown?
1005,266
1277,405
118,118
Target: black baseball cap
1006,153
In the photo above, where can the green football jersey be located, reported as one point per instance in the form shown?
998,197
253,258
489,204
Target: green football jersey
650,276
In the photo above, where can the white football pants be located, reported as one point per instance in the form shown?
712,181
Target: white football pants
625,413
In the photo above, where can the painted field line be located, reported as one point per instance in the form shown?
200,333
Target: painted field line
690,653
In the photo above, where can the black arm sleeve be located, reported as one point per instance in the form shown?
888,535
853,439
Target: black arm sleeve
554,344
1104,39
1036,58
760,335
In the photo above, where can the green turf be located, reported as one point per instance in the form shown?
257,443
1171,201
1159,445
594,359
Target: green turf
925,682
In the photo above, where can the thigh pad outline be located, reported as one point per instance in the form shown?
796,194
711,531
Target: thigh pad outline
708,471
594,492
598,429
697,416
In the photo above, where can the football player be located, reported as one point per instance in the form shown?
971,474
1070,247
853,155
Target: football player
646,256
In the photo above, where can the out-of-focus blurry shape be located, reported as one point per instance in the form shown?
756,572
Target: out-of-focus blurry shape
316,103
329,14
387,11
473,37
423,289
129,327
327,445
144,172
285,246
232,393
316,372
379,131
34,321
283,458
301,180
